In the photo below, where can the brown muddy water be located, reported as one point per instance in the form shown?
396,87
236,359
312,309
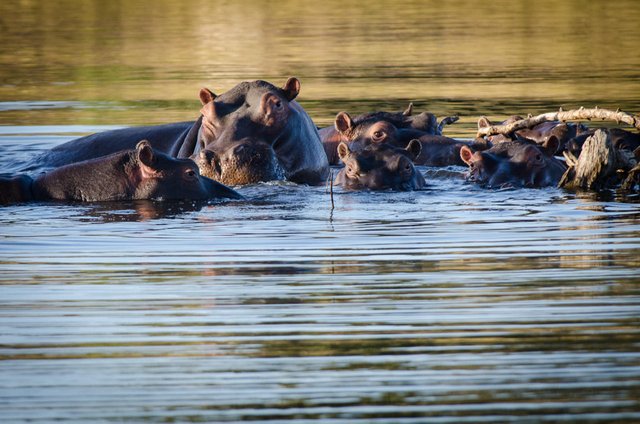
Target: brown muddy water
451,304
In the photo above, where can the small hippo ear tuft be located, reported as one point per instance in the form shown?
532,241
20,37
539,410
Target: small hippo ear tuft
291,88
343,122
409,110
551,145
145,153
483,122
466,154
343,151
414,148
206,96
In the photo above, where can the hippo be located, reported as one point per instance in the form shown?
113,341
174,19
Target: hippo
380,167
252,117
484,122
437,150
249,161
347,129
540,133
140,173
517,163
621,139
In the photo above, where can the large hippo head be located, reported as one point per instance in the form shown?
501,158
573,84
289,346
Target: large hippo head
516,163
380,167
256,132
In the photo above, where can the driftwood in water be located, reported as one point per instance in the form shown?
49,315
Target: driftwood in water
581,114
633,177
600,165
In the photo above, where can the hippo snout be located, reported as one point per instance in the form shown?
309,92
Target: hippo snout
215,189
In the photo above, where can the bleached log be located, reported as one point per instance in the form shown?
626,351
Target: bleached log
581,114
599,166
632,179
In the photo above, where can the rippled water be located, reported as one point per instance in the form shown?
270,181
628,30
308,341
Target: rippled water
451,304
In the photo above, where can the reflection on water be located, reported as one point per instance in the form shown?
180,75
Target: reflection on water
149,59
452,304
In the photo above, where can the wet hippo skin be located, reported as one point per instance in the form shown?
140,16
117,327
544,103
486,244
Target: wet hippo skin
137,174
254,116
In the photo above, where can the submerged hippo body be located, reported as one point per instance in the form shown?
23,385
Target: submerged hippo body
380,167
564,132
620,138
127,175
517,163
252,113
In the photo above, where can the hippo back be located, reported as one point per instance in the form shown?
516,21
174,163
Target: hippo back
299,149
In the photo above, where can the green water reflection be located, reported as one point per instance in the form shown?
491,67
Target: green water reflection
455,304
149,58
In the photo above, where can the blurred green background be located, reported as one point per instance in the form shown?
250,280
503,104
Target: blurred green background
143,62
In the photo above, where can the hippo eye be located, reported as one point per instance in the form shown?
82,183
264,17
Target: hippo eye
378,135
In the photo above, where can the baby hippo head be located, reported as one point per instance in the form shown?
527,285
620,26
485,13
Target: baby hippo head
514,164
160,176
380,167
246,162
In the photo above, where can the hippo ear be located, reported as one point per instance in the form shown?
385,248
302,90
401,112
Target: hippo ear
466,154
551,145
409,110
414,148
206,96
146,159
145,153
291,88
483,122
343,122
343,151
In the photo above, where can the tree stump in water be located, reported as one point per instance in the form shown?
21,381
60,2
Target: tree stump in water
633,177
600,165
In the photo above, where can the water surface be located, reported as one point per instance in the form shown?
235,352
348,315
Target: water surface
451,304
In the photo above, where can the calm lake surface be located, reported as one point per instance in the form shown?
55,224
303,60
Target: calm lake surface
451,304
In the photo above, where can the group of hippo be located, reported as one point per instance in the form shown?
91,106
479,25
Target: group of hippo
258,132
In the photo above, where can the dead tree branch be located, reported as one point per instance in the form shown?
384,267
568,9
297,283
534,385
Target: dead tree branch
581,114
